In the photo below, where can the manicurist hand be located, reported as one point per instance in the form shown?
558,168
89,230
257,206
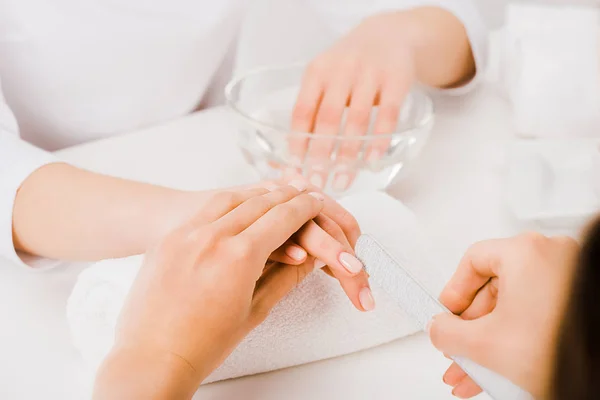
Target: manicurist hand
374,65
203,288
510,296
330,237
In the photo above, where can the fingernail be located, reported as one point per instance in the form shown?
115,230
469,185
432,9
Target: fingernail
299,184
351,263
341,182
295,252
317,195
366,299
319,264
317,180
428,326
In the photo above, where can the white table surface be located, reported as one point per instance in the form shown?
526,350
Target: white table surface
455,189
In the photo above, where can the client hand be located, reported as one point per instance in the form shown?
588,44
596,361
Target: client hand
330,237
375,64
510,295
202,289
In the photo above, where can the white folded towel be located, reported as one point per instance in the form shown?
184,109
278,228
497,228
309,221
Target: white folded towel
315,322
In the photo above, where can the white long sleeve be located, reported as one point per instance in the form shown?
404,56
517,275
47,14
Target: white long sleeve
18,159
343,15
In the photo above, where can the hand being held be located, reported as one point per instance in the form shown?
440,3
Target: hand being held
510,296
202,289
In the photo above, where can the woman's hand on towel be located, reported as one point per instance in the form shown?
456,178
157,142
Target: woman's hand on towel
203,288
330,237
509,295
375,64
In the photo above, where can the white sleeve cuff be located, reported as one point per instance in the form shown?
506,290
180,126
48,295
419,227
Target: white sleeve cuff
18,159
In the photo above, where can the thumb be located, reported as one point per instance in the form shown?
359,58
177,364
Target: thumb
455,336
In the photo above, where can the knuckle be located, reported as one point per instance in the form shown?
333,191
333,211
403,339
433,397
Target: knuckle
225,199
241,250
207,237
533,241
316,68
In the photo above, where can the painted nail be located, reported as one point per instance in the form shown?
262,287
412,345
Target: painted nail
319,264
295,252
351,263
317,180
341,182
299,184
366,299
317,195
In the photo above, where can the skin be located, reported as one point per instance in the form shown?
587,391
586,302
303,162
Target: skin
509,296
374,65
87,216
212,271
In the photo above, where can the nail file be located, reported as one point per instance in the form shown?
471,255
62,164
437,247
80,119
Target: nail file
399,284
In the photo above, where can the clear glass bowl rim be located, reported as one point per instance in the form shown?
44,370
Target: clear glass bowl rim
237,80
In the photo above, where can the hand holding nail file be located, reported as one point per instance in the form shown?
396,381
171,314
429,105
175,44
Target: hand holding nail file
397,282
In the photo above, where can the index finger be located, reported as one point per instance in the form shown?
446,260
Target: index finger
479,264
337,213
275,227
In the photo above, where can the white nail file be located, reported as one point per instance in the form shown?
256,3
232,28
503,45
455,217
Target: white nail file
400,285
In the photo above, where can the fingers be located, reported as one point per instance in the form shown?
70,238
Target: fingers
324,247
274,285
324,239
304,114
221,203
337,213
452,335
253,208
484,302
454,375
479,264
357,125
466,389
289,253
327,126
278,224
392,96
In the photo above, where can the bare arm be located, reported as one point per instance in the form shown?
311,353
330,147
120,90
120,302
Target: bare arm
63,212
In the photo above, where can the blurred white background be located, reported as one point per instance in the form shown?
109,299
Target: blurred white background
279,31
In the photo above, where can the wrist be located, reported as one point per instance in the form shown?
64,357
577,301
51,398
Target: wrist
436,38
129,373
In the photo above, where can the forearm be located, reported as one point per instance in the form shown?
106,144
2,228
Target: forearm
442,49
63,212
128,375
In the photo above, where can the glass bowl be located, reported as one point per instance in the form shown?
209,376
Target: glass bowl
263,101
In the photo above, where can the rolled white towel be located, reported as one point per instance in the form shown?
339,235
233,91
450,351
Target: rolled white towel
315,322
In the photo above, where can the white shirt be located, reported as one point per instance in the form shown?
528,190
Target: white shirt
78,70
